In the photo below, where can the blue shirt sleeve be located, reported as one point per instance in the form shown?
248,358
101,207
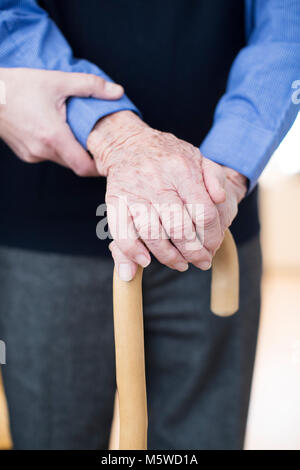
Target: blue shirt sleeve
29,38
258,107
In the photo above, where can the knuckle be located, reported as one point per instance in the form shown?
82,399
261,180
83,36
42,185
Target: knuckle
28,157
80,170
192,254
163,255
156,246
214,243
128,249
172,258
96,82
47,138
36,150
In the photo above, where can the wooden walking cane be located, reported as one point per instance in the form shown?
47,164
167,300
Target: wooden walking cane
129,339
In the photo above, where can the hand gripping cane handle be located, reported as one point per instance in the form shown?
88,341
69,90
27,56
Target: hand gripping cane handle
129,339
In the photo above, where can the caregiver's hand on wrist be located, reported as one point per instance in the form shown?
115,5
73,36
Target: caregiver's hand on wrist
150,172
33,120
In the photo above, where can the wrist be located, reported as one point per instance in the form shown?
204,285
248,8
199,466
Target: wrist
109,133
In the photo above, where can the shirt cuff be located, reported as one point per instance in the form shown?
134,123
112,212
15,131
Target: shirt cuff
83,113
238,144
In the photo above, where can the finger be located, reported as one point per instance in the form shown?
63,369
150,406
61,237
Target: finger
73,154
125,267
55,157
214,179
228,210
178,224
149,228
203,212
87,84
123,231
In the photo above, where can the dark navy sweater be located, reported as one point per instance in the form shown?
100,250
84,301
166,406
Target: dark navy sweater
163,52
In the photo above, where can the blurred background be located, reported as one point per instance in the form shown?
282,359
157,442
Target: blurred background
274,415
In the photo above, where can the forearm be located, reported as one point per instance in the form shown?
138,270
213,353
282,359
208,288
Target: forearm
257,110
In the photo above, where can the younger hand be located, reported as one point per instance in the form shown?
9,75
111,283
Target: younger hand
33,120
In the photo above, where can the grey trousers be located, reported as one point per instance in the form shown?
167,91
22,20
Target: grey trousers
56,320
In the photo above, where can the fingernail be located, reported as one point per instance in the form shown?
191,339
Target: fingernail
204,266
142,260
125,272
181,267
111,87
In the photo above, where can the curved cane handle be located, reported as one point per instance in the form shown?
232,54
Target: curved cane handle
224,296
129,339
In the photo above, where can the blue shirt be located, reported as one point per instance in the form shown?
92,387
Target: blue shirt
251,118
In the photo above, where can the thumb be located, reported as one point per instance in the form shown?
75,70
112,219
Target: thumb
214,180
87,84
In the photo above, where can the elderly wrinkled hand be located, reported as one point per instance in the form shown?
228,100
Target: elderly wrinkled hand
175,203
